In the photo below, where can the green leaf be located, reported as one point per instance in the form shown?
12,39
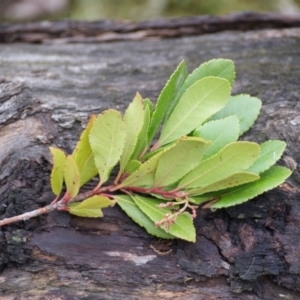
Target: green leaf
133,118
165,99
198,103
245,107
144,175
233,158
132,166
83,155
231,181
142,140
107,138
222,68
220,133
134,212
147,103
90,207
57,173
179,160
183,227
71,176
268,180
270,152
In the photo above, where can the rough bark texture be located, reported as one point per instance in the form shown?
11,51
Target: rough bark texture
47,93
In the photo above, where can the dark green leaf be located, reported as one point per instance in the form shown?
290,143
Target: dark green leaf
183,227
268,180
134,212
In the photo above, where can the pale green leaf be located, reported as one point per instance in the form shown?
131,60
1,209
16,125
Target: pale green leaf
83,155
268,180
198,103
233,158
183,227
270,152
57,173
179,160
145,174
220,133
134,212
132,166
245,107
133,119
166,97
90,207
222,68
71,176
107,138
142,140
231,181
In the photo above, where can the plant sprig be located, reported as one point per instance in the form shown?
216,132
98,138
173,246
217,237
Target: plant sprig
196,159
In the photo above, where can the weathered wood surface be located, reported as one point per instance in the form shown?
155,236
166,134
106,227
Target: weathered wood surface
47,93
108,30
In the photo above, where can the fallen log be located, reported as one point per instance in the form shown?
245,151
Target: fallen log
47,93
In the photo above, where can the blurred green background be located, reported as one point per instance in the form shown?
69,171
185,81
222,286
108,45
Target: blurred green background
149,9
18,10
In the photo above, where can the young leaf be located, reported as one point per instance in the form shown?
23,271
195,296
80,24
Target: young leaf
220,133
134,212
142,141
222,68
133,118
233,158
245,107
144,175
107,138
231,181
179,160
183,227
71,175
165,98
198,103
268,180
270,152
57,173
83,155
90,207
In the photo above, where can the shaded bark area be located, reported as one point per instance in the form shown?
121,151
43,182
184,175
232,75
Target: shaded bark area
46,96
109,30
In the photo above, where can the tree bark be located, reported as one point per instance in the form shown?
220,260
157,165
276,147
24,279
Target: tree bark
47,93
